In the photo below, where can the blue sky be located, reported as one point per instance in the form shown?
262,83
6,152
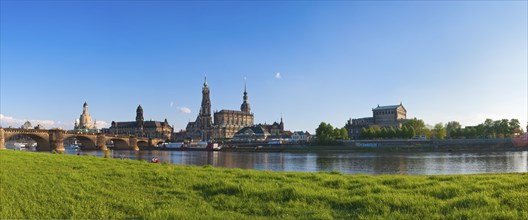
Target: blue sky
445,61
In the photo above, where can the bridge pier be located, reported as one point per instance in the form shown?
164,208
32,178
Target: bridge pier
101,142
2,139
56,139
150,142
133,143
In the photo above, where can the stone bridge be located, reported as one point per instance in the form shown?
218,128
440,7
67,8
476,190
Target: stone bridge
54,139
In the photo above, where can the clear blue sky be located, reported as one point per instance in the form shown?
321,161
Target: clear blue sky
445,60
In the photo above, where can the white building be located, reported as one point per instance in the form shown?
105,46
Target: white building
300,137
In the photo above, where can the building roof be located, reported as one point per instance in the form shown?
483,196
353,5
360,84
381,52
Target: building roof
301,133
224,111
257,130
388,107
147,124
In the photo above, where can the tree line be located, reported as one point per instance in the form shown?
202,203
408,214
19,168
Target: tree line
503,128
375,132
327,134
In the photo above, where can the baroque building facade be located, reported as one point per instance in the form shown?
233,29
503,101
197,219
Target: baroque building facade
226,122
84,123
141,128
383,116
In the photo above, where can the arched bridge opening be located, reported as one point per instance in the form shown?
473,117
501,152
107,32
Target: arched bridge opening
142,144
84,143
42,142
120,144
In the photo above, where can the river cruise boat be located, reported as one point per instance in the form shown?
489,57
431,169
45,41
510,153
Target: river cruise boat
176,145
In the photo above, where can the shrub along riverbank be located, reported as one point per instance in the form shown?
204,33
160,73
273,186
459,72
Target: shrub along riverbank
44,186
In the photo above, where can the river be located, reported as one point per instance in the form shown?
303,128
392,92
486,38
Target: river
345,162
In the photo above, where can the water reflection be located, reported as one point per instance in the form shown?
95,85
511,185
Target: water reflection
345,162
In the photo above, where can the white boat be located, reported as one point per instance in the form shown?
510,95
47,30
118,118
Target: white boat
173,145
72,147
214,146
274,141
201,144
20,146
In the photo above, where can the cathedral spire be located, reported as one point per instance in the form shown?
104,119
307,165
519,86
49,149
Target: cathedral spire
85,108
139,114
245,104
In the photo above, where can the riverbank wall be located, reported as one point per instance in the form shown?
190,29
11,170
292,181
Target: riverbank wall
501,144
447,144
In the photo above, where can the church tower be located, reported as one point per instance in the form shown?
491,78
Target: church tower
281,125
245,104
139,114
85,120
204,120
140,120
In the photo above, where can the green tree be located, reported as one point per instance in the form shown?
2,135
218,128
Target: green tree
325,133
418,125
411,132
383,133
452,126
337,134
364,134
404,132
392,133
454,133
344,134
372,133
439,131
377,131
515,127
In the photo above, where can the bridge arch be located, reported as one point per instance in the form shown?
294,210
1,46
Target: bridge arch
142,144
42,140
86,142
120,144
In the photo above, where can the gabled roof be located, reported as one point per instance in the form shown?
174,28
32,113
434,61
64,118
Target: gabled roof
388,107
225,111
126,124
253,130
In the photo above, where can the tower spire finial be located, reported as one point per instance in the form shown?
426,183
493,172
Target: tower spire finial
245,79
205,81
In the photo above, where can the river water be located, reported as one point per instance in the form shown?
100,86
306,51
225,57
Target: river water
344,162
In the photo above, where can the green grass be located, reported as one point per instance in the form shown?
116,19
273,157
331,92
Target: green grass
53,186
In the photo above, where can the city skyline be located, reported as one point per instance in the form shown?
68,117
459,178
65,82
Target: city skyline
308,62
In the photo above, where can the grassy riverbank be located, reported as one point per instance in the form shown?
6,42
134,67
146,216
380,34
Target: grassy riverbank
44,186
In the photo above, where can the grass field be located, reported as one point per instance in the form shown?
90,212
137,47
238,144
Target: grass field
44,186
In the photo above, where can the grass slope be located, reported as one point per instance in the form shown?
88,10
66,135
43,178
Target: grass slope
37,186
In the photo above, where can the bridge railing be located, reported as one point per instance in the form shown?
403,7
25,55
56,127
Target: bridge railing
42,131
21,130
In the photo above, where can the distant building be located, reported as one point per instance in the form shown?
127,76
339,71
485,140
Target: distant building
27,125
275,128
383,116
84,123
40,127
141,128
300,137
254,133
202,127
226,122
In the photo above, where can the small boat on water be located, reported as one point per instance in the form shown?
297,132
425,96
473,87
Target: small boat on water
20,146
176,145
214,146
197,145
72,147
